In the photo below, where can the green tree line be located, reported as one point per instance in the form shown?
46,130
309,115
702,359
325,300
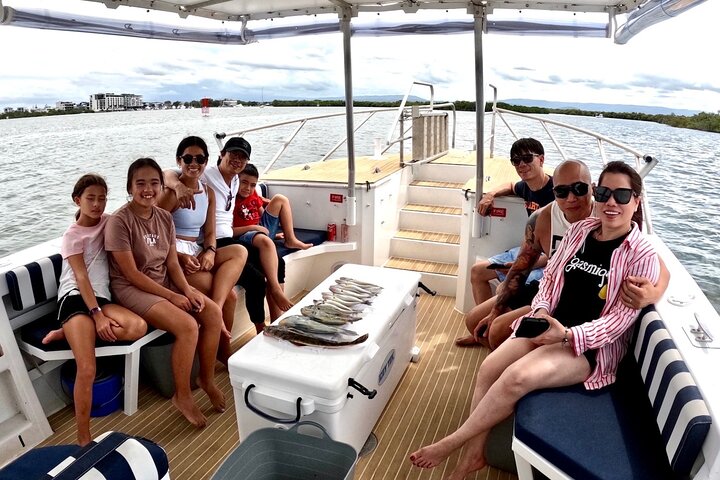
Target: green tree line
708,122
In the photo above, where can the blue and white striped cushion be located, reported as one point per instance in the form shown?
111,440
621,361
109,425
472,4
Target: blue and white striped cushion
35,282
681,413
125,458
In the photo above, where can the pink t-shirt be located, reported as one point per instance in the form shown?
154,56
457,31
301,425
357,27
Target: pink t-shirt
149,240
90,242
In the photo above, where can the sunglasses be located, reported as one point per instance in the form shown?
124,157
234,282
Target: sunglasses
579,189
228,202
621,195
525,157
200,159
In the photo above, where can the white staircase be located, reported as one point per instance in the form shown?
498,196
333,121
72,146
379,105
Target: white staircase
428,238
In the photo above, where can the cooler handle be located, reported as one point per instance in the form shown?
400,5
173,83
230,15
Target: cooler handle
267,416
296,428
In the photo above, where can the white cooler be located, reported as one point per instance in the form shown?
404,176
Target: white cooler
277,383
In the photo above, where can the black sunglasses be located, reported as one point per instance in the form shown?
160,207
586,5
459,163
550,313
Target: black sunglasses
621,195
200,159
525,157
579,189
228,203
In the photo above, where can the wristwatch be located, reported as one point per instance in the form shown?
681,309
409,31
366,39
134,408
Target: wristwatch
95,310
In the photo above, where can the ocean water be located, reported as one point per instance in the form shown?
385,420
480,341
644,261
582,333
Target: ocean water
44,156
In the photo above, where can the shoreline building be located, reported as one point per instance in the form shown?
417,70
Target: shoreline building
111,102
63,106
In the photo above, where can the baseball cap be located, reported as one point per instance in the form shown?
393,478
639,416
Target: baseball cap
238,144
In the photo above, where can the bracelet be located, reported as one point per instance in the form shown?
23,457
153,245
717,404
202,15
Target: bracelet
214,250
565,338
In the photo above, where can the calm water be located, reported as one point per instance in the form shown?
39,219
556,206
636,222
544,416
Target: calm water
44,157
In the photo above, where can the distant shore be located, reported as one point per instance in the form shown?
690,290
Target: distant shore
707,122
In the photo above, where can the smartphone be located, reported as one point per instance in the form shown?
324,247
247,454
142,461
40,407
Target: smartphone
495,266
531,327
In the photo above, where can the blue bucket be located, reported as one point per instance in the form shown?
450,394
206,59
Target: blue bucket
106,392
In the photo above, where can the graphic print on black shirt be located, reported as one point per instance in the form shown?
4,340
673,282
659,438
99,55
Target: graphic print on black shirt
535,199
586,277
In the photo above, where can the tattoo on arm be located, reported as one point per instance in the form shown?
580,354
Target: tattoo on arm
529,253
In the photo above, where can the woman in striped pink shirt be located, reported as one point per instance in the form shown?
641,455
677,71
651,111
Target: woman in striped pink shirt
589,328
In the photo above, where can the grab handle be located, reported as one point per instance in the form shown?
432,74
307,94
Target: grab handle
267,416
361,388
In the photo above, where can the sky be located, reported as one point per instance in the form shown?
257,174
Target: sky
672,64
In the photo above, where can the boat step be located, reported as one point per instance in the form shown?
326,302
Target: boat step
424,266
439,237
436,184
417,207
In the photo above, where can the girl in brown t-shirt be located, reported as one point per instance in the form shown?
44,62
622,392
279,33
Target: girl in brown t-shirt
145,277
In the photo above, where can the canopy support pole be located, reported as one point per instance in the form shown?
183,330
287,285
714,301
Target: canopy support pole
479,20
351,216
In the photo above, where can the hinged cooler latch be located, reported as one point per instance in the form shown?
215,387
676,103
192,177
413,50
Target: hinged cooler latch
361,389
427,289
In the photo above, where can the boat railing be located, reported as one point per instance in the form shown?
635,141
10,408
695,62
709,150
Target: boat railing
643,162
403,112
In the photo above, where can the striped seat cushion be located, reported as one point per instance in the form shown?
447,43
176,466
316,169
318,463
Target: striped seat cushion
35,282
111,456
650,424
680,411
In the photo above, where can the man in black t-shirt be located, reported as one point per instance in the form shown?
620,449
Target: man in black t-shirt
535,187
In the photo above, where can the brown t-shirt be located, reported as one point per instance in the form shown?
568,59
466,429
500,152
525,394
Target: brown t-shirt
149,240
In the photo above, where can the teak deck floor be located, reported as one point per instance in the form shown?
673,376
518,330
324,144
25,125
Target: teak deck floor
431,400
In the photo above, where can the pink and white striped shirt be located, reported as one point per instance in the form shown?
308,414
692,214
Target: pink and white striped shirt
609,334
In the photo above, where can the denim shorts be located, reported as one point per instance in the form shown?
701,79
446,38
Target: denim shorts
271,222
510,256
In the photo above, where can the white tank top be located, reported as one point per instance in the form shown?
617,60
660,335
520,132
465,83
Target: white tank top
558,226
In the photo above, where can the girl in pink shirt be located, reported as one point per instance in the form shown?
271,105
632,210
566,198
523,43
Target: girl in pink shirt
588,332
84,308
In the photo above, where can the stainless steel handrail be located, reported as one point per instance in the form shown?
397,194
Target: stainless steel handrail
402,110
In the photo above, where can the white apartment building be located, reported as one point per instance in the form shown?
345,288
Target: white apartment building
104,102
62,106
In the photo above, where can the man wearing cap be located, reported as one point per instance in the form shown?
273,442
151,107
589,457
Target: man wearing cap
223,179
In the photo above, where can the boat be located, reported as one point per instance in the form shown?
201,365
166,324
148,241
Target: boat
419,200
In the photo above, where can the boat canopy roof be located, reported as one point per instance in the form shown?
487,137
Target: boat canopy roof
620,19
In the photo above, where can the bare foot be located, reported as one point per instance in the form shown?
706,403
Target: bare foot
54,336
466,341
465,468
83,439
190,411
431,456
295,243
215,394
281,300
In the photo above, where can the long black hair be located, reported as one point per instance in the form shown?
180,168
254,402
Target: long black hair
137,165
87,180
636,184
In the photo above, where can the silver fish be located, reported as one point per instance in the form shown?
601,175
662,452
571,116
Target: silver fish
357,290
335,305
353,305
363,296
346,300
299,337
324,317
309,325
360,283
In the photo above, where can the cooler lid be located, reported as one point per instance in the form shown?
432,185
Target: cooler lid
321,372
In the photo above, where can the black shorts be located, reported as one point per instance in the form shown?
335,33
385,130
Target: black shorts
591,356
73,304
525,296
253,260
